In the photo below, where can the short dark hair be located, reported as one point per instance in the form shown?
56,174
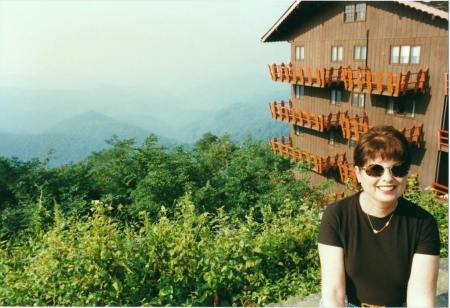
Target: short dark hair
385,142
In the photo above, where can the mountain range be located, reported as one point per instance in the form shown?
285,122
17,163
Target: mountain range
76,137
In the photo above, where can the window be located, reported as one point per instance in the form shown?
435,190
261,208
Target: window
360,53
358,100
336,97
299,91
360,11
395,54
390,106
407,107
405,54
415,55
404,106
355,12
332,137
299,52
349,13
337,53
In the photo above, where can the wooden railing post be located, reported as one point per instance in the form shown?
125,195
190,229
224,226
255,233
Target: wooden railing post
350,79
302,76
319,77
294,73
283,72
360,80
390,85
369,81
330,76
308,70
379,82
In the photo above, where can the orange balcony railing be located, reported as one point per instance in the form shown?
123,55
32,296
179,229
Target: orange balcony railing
364,81
321,165
355,126
439,189
358,80
414,134
319,122
347,171
443,140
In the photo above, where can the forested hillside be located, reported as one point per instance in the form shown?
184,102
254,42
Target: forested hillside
221,223
74,138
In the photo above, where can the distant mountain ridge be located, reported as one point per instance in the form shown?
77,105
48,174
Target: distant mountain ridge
240,120
75,138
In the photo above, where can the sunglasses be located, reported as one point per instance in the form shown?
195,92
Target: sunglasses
376,170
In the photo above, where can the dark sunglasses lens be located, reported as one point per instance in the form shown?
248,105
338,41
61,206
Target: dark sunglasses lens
400,170
374,170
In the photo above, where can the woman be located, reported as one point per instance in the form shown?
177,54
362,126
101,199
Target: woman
376,248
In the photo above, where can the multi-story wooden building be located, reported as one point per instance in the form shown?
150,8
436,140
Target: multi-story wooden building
359,64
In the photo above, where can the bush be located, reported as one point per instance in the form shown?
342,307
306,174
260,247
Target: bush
183,260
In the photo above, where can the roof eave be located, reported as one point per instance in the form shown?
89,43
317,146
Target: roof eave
412,4
266,37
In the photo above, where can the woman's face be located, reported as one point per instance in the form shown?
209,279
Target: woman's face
384,189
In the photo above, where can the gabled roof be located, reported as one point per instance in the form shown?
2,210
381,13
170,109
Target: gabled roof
300,9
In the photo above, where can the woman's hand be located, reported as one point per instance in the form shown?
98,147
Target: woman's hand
333,275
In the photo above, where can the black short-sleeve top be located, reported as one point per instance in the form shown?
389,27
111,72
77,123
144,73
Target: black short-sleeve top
377,266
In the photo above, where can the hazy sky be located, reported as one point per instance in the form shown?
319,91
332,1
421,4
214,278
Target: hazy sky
180,48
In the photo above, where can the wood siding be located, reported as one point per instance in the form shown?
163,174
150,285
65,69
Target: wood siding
386,24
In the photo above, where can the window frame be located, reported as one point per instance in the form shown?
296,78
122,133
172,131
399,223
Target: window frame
358,100
352,15
300,54
393,107
352,141
359,57
390,106
334,95
302,92
356,11
337,48
411,54
332,137
400,47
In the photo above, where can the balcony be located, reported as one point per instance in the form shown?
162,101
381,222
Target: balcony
354,80
321,165
347,172
318,122
414,134
443,140
390,84
354,127
439,189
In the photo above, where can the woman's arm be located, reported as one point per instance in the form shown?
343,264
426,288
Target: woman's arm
423,281
333,275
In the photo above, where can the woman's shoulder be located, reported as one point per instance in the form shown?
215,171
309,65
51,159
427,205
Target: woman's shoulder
413,210
344,205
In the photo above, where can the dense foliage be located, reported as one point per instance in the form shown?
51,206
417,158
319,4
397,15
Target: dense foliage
221,223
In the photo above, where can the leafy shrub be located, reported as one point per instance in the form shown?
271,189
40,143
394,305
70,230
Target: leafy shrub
183,260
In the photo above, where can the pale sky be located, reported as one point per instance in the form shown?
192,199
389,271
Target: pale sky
156,48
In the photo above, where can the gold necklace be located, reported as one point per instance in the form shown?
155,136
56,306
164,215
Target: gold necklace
375,231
